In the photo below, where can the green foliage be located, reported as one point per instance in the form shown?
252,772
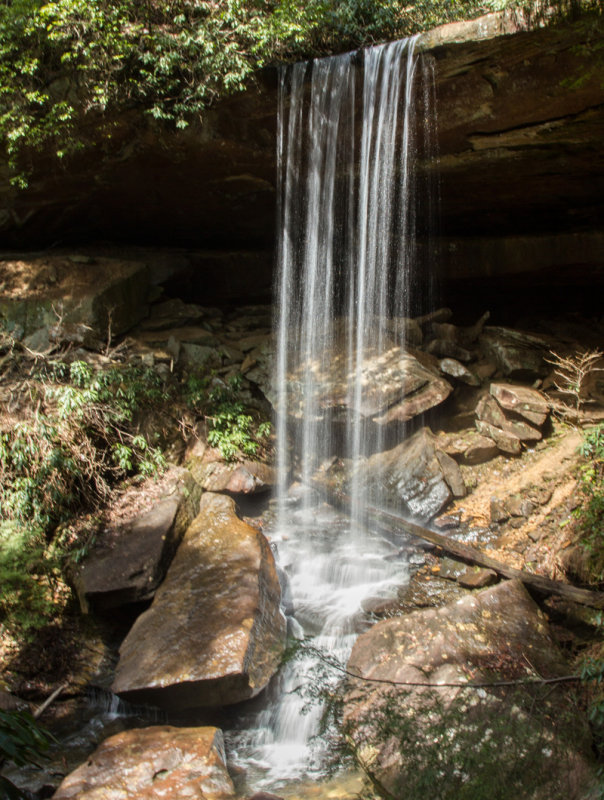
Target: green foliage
589,515
79,438
169,59
63,456
22,741
231,427
30,574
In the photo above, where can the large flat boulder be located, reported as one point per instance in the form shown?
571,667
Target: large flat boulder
214,634
153,764
395,385
130,558
416,474
530,739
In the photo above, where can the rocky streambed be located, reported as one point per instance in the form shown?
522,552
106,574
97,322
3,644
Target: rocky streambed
187,587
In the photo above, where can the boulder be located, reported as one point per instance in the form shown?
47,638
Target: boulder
488,410
198,356
468,447
518,355
416,474
98,296
189,334
449,349
396,386
529,739
506,442
454,369
152,764
214,634
527,403
129,559
175,313
214,474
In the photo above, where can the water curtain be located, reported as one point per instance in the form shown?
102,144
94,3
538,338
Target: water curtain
348,201
347,144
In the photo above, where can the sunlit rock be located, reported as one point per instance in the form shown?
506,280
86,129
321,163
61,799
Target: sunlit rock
152,764
527,403
214,634
468,447
453,368
394,385
489,411
531,739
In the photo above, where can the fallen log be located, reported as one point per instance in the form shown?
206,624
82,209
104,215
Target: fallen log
468,554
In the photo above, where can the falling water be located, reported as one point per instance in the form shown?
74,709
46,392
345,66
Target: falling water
347,145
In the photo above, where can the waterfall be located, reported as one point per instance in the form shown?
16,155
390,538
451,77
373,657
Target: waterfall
347,214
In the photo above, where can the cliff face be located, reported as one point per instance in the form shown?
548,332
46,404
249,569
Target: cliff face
521,156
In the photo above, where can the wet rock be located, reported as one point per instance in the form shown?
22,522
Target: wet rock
129,560
432,593
417,474
214,634
454,369
152,764
447,522
498,633
518,355
527,403
470,577
451,569
381,607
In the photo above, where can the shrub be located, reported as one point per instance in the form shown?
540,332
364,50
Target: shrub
231,426
589,516
63,455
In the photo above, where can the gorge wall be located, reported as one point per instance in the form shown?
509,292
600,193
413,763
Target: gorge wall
521,172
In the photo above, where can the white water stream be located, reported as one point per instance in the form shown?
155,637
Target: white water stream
347,217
